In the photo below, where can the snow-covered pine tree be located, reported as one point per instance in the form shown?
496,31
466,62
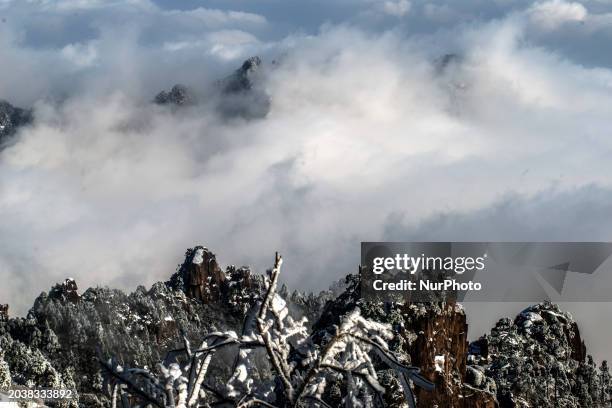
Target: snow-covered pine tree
296,370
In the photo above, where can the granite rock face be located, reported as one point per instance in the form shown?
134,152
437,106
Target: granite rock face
439,346
203,278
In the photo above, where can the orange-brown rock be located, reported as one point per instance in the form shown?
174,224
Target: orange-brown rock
204,277
440,350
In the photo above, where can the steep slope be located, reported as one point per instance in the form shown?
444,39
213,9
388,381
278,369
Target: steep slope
537,359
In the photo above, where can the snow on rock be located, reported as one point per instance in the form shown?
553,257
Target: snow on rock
198,257
439,363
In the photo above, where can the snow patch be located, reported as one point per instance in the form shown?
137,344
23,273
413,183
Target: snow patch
439,362
198,257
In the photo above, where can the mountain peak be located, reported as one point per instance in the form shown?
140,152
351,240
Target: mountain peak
250,64
11,118
66,291
179,95
510,366
243,79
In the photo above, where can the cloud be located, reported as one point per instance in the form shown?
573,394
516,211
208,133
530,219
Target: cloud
554,13
81,55
398,8
549,215
578,214
85,5
231,44
216,18
438,12
226,45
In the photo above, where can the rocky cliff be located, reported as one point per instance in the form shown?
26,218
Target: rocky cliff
537,359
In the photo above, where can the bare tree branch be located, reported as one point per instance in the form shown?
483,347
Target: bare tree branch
348,354
263,331
135,388
253,402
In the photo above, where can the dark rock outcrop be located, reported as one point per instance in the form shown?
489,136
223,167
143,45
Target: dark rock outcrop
11,118
242,93
242,80
204,279
66,291
179,95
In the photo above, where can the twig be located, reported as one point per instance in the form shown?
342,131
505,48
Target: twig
254,402
265,335
195,386
130,384
317,400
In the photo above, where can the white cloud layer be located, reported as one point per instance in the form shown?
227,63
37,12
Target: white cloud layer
369,136
554,13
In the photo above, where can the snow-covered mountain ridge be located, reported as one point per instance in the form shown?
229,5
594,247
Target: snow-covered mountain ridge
537,359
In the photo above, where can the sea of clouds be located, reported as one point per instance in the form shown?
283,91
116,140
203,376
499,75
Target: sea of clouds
372,133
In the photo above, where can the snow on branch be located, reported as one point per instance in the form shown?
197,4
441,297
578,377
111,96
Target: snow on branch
277,364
